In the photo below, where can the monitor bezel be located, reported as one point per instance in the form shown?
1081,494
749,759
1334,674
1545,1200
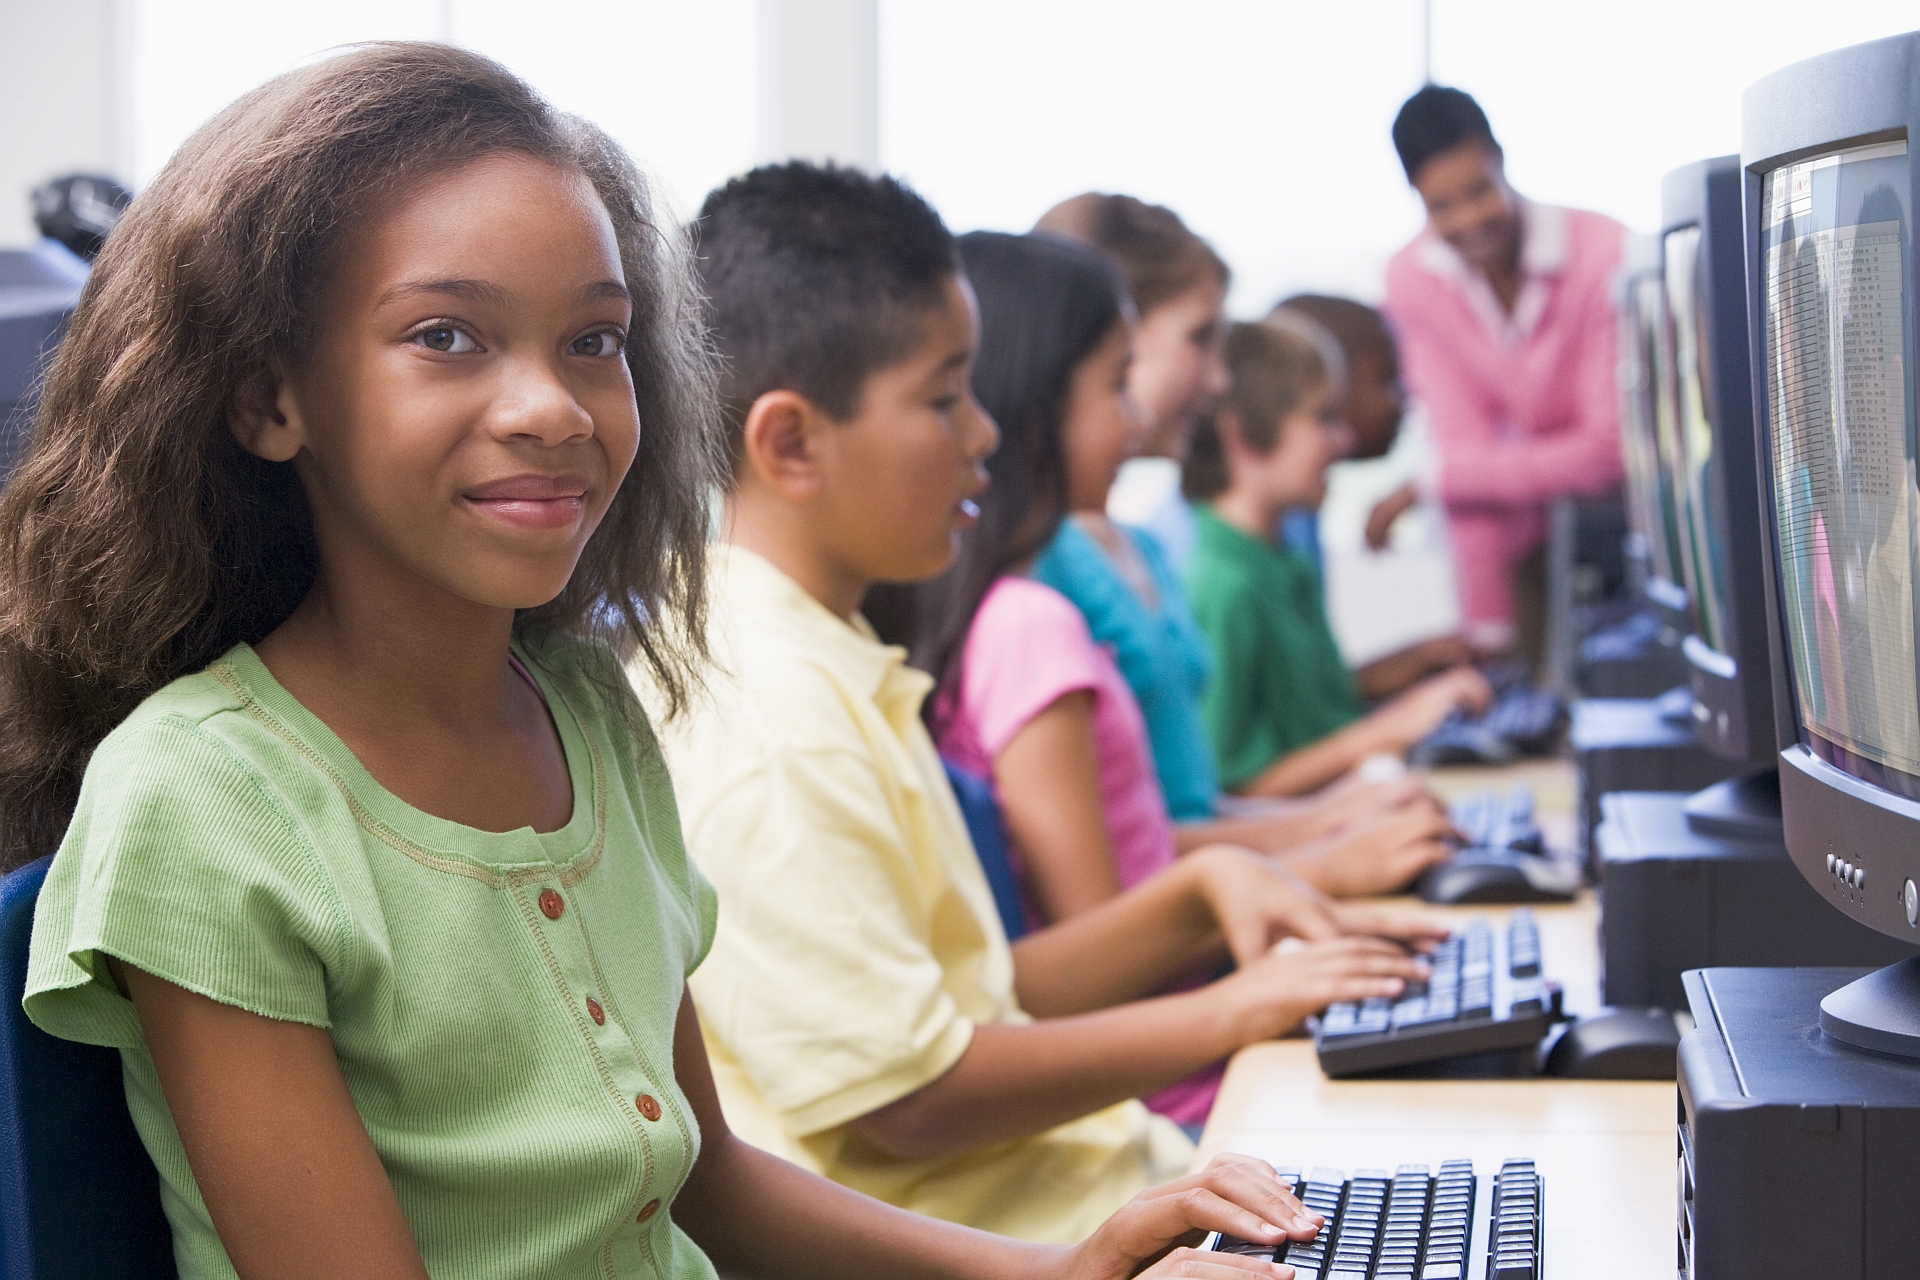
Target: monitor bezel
1837,101
1732,689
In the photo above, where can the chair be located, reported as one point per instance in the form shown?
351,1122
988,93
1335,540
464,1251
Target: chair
982,812
79,1199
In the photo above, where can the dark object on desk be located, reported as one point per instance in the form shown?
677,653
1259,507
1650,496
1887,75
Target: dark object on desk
1677,899
1412,1223
1768,1100
1626,744
1479,876
1485,995
1637,658
1521,722
1616,1044
79,1199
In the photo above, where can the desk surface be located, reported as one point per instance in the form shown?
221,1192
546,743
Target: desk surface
1605,1148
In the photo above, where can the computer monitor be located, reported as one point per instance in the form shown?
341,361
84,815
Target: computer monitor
1829,196
1643,407
1718,494
38,290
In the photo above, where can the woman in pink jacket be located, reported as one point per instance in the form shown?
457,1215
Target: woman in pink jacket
1505,316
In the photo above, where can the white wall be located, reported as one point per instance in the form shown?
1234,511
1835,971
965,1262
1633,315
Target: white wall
1266,124
818,81
63,106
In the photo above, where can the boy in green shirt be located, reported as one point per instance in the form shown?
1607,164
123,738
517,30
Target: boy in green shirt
1283,711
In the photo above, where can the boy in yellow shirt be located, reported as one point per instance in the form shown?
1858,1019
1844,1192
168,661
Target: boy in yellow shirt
864,1014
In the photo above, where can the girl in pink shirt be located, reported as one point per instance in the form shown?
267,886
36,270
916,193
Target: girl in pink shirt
1026,697
1505,317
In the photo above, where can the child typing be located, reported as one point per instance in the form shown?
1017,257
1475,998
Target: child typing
1283,711
864,1013
383,426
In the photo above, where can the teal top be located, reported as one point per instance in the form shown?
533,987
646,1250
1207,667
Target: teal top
1280,682
502,1004
1161,653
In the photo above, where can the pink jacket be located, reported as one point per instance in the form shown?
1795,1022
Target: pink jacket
1524,408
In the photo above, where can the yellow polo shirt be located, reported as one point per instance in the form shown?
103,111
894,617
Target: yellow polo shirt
858,944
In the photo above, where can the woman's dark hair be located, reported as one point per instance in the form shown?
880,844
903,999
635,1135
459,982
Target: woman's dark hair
1435,120
138,541
1274,368
1045,304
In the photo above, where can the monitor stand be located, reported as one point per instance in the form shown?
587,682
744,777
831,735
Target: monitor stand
1743,808
1879,1013
1631,744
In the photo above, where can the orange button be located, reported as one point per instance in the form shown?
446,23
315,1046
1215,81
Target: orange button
648,1209
551,904
648,1106
595,1012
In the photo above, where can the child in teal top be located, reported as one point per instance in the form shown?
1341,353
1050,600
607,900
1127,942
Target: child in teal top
1157,646
338,519
1283,711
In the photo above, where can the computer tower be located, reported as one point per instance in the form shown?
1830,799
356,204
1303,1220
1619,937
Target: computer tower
1798,1155
1632,744
1674,899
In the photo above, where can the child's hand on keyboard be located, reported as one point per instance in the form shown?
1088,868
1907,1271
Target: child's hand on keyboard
1382,855
1256,902
1273,995
1236,1194
1413,715
1416,929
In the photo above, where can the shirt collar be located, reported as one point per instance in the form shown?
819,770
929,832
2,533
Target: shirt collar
761,596
1546,246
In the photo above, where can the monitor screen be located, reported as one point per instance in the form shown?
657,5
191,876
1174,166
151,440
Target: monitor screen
1642,318
1834,244
1702,558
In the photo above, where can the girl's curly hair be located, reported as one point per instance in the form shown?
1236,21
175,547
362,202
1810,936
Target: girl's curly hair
138,541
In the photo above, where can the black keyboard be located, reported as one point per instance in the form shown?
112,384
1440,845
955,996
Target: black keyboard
1498,820
1484,995
1522,721
1412,1225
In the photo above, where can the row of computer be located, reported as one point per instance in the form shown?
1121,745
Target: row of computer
1756,833
1755,828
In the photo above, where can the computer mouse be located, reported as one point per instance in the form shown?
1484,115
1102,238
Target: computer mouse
1617,1044
1498,875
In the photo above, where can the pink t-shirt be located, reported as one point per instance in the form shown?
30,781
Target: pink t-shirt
1029,647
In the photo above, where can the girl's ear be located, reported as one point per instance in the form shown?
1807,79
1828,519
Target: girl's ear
778,445
265,419
1226,423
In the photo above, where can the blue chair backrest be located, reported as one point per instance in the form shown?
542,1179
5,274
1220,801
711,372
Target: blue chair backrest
982,812
79,1199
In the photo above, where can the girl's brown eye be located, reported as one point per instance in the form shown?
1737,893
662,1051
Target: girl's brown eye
597,344
446,339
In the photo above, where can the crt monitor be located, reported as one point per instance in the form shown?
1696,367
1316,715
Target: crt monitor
1642,313
1829,196
1643,407
1718,482
38,290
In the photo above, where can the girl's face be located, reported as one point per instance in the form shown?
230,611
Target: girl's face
465,414
1179,365
1294,472
1101,426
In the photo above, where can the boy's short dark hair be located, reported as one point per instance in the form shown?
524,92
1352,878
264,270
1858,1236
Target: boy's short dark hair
1360,330
815,277
1274,368
1437,119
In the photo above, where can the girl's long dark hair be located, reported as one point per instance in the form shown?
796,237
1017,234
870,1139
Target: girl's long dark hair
138,541
1045,304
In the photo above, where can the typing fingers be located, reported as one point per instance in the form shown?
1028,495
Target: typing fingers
1213,1266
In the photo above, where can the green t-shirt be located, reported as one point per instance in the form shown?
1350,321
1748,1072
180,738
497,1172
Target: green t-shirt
502,1005
1279,682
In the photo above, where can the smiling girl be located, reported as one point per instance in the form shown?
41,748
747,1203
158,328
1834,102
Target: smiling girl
382,432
